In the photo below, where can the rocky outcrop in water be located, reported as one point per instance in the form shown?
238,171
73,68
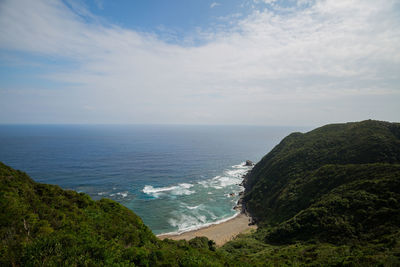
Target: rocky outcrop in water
249,163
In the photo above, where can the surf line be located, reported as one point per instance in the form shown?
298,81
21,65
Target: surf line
245,168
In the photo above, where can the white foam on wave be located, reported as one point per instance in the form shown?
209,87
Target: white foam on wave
176,190
123,194
236,173
188,223
241,166
216,177
194,207
197,215
120,194
225,181
205,183
185,222
195,220
213,216
186,206
220,182
230,177
148,189
187,186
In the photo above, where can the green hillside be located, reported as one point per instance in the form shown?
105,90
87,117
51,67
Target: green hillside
43,225
327,197
295,161
341,203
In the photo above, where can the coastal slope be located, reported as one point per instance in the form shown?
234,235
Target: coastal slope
274,180
44,225
330,196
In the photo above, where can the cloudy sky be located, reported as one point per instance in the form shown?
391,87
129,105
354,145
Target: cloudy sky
262,62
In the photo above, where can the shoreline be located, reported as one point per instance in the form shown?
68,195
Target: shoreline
200,226
220,231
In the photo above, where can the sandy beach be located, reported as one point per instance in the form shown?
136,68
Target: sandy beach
220,233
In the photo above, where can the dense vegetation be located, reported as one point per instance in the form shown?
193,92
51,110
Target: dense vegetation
332,194
43,225
299,156
329,197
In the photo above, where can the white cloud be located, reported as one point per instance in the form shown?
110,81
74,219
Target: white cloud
265,1
214,4
269,68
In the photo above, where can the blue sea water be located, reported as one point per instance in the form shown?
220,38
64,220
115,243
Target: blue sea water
176,178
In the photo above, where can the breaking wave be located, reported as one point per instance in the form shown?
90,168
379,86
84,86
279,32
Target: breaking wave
187,223
177,190
211,200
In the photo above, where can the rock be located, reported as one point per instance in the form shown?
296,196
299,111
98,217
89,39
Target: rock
238,207
232,194
249,163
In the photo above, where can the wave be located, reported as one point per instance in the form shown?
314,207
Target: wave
194,207
122,194
119,194
230,177
191,223
176,190
148,189
242,165
203,208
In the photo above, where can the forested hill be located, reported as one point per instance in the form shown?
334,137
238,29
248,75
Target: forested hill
44,225
337,182
329,197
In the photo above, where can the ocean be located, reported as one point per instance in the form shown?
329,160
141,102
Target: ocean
176,178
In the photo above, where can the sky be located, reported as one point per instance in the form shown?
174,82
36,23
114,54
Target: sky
240,62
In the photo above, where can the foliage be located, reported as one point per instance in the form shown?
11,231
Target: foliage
340,204
249,250
293,160
43,225
327,197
